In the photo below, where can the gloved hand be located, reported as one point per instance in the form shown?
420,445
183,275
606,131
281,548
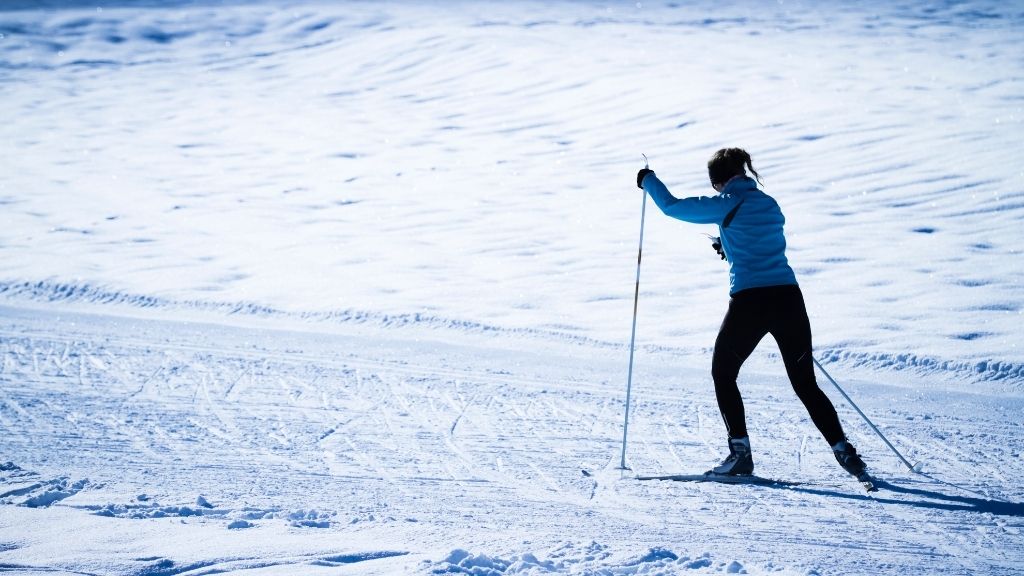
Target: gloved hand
640,177
716,243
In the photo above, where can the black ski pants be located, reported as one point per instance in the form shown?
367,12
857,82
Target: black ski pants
779,311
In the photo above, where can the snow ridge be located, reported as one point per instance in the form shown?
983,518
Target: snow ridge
594,557
25,488
987,370
60,292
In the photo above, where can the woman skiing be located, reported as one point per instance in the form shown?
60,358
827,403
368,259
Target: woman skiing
764,299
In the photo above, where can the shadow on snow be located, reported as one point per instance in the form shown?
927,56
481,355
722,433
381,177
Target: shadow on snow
935,500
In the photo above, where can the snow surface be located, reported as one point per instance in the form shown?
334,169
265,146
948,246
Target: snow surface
346,287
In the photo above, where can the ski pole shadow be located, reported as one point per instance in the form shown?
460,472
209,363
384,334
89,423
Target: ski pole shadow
931,499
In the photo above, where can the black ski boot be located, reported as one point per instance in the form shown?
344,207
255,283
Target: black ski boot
847,457
738,462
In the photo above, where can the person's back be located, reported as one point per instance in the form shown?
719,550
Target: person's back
753,240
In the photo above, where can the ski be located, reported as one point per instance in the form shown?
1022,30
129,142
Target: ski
723,479
865,479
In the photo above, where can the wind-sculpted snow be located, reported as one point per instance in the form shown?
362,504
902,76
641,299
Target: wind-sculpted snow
476,161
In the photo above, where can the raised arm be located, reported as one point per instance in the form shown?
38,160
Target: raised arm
697,209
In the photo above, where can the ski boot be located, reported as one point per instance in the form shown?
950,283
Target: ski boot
739,462
847,457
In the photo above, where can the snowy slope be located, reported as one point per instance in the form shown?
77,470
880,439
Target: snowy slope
475,162
346,287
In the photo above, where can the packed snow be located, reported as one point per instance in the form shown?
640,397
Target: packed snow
331,288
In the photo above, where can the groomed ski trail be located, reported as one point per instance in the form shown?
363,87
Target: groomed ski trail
394,437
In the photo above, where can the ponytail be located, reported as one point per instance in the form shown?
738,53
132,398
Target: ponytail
750,166
729,162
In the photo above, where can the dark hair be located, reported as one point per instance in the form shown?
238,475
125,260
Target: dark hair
729,162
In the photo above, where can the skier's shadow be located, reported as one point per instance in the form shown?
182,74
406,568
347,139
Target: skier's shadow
935,500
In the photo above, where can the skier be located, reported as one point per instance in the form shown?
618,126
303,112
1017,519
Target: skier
764,299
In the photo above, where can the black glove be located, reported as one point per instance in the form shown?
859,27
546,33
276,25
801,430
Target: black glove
716,243
640,177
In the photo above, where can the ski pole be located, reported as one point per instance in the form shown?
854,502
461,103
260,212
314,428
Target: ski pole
632,338
913,467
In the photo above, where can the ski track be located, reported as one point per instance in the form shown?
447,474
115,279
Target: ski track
379,437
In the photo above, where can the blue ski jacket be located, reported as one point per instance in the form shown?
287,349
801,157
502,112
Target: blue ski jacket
752,239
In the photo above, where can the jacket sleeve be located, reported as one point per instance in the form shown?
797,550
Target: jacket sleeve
698,209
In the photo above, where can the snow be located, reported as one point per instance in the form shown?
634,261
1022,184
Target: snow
347,287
